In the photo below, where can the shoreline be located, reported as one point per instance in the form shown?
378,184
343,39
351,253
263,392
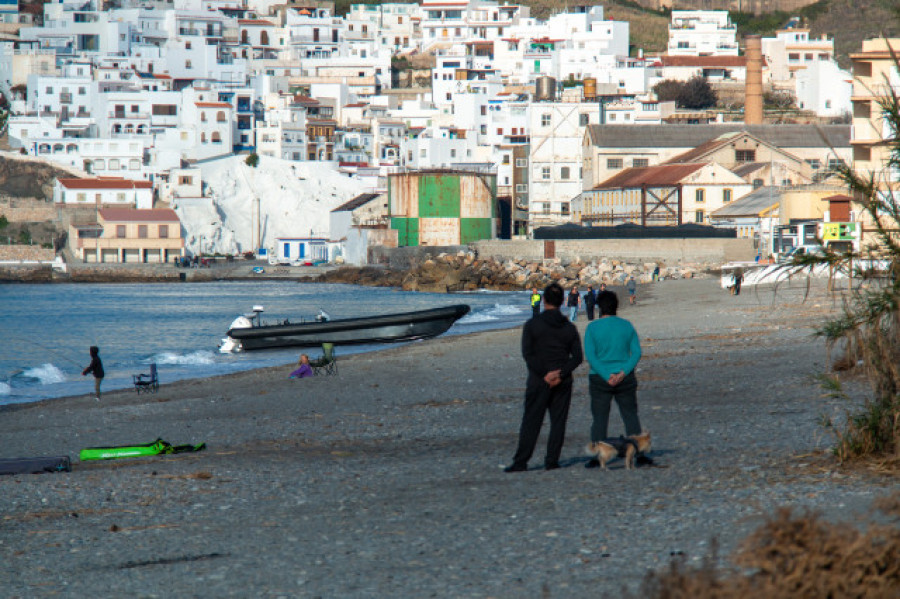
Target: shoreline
386,479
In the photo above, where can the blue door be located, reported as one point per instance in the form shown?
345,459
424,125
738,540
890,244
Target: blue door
302,250
287,250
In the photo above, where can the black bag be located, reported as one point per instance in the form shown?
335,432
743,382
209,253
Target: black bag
36,465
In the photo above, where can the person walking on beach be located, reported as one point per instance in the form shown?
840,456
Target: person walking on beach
551,347
612,349
631,286
95,368
738,279
572,303
535,302
590,298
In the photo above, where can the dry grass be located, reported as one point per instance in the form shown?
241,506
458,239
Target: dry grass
796,556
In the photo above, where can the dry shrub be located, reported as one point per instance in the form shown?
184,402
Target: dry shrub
796,556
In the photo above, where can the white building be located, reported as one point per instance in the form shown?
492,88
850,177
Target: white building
792,50
824,88
104,191
555,178
702,33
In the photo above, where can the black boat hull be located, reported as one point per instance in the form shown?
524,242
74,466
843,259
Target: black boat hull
390,328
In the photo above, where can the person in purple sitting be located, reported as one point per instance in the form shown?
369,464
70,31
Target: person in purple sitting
303,368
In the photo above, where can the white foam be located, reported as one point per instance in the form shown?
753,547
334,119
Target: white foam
5,389
193,358
46,374
497,312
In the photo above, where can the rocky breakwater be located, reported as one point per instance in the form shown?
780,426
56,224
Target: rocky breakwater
465,271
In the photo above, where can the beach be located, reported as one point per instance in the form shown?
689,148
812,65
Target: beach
386,480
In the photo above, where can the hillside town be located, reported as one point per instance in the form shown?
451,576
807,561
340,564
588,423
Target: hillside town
185,128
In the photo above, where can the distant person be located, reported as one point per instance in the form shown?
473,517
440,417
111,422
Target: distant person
95,368
631,286
590,299
738,279
602,288
612,348
656,273
535,302
552,350
573,302
303,368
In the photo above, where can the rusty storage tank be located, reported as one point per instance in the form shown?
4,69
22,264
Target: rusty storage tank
545,89
590,88
442,207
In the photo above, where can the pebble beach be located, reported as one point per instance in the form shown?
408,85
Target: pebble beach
386,480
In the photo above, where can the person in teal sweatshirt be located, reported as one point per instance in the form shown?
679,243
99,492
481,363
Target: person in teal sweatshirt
612,349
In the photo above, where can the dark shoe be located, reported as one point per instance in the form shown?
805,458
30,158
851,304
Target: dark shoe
594,463
551,466
643,460
515,468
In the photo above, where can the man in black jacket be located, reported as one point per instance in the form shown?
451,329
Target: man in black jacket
551,347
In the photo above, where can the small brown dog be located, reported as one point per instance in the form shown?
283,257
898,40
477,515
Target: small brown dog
627,447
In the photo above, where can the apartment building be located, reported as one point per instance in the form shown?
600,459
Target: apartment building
702,33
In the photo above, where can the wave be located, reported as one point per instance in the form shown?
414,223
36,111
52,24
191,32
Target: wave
496,312
5,389
45,374
189,359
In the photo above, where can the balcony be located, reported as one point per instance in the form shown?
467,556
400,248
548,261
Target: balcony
65,98
189,31
131,116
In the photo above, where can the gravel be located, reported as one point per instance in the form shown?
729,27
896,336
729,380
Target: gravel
387,479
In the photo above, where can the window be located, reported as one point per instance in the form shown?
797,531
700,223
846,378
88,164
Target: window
120,197
640,162
184,180
49,90
521,188
483,110
699,217
584,120
499,130
163,231
114,164
726,195
187,64
165,110
757,183
521,162
81,91
506,159
220,116
545,173
614,163
545,120
564,173
745,155
82,197
120,231
564,208
142,231
700,196
452,153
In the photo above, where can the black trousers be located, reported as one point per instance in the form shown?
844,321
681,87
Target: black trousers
602,395
589,308
535,310
540,398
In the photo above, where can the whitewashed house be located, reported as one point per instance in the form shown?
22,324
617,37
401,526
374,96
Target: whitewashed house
702,33
103,192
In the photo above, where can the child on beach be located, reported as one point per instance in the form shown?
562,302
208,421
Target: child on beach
95,367
303,368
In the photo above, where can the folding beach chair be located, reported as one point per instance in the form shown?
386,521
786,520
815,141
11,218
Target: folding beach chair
146,383
326,363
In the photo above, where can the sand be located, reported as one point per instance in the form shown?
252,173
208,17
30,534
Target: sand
386,480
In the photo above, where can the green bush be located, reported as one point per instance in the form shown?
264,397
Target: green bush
252,160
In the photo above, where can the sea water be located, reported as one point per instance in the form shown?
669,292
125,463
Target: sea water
46,330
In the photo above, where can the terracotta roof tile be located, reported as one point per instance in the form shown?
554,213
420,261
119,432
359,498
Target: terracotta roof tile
104,183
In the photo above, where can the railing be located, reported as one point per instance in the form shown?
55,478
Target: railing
65,98
129,115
